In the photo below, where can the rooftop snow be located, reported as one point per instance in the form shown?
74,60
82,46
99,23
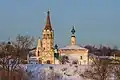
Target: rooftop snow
73,47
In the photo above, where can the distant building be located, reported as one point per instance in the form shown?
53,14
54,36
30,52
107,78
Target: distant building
45,53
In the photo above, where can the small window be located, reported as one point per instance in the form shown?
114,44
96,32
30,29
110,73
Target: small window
38,53
47,34
80,57
48,61
44,36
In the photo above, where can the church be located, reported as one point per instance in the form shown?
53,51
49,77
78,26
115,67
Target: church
74,51
46,53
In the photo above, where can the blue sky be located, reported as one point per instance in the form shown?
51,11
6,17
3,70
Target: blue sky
96,21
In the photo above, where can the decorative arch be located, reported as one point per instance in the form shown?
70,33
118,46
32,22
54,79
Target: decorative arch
48,62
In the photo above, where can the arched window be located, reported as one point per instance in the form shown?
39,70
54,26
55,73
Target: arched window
44,36
48,61
47,35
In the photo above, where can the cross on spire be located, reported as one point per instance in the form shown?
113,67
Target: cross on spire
73,30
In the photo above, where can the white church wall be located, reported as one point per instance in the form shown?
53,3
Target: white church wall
81,57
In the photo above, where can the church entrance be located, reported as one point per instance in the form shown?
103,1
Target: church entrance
48,61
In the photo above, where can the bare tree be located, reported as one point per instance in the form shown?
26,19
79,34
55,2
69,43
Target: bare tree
8,58
12,53
23,75
116,72
64,59
53,75
90,48
116,69
24,44
99,70
101,51
42,74
75,62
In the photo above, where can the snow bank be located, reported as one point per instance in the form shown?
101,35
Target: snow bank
58,72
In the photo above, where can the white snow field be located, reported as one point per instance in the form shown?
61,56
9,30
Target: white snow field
55,71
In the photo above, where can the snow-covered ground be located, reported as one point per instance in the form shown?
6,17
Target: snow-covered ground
55,72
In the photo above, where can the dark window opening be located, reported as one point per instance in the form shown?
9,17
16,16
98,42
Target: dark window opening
47,35
40,61
51,67
38,53
48,61
80,57
75,62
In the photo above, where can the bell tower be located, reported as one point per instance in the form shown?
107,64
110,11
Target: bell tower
48,41
48,35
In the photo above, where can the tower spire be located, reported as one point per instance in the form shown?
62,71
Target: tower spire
48,22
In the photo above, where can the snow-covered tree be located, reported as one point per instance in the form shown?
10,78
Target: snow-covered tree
99,70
